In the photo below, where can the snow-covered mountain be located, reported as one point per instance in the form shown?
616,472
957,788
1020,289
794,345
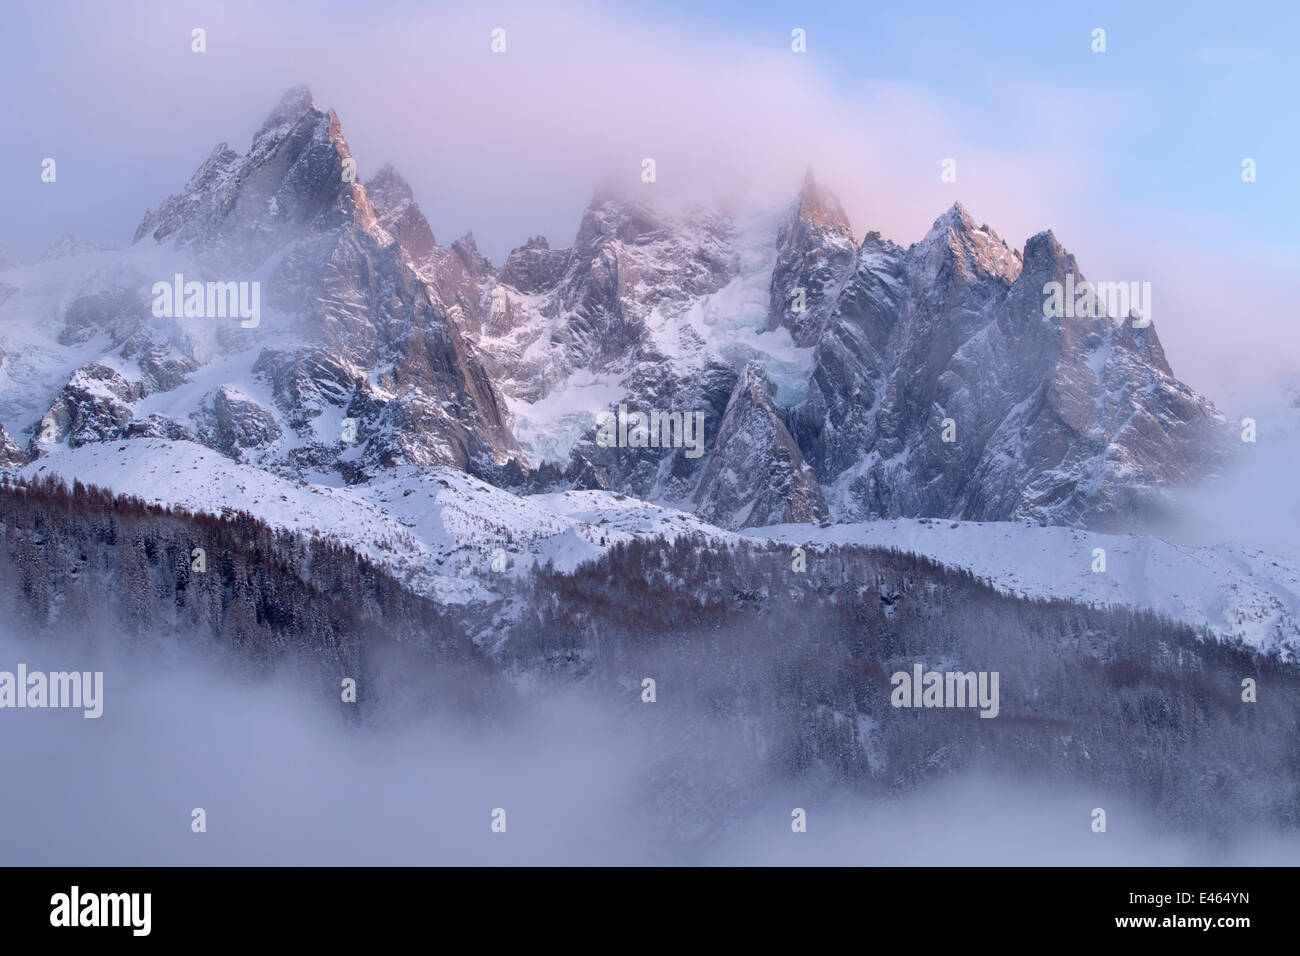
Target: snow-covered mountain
867,348
1067,421
834,378
346,328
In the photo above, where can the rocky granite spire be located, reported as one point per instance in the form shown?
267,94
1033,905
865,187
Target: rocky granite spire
815,254
755,474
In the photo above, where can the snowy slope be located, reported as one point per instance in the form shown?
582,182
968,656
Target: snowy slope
1236,592
630,516
438,529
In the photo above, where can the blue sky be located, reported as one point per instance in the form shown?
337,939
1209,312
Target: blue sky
1220,82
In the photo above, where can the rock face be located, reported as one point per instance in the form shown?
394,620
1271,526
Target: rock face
816,252
231,422
94,406
591,307
755,474
11,453
534,267
399,215
1059,420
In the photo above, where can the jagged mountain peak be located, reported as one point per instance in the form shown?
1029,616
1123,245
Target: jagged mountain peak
398,214
237,210
353,321
466,249
388,187
816,252
635,217
295,101
976,251
534,267
1046,260
613,215
956,221
1044,240
955,216
818,206
294,119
